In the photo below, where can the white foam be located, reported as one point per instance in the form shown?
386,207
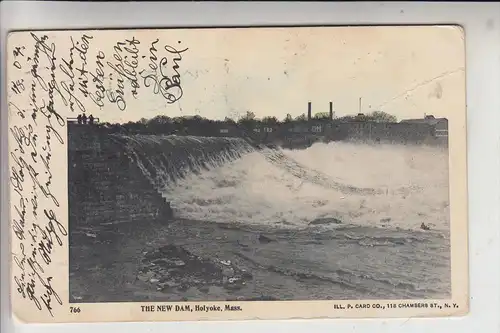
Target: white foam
411,184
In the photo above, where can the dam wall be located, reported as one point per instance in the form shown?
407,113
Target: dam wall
104,187
116,178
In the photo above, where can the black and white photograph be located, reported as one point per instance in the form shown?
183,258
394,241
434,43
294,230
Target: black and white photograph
245,165
310,207
253,196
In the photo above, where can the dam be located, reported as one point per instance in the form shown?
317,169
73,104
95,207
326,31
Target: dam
107,169
170,217
119,178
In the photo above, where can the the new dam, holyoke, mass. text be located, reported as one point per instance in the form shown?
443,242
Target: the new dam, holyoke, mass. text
196,209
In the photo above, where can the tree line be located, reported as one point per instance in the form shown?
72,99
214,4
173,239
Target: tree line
198,125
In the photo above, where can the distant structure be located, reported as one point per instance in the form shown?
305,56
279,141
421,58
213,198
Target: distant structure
309,111
303,131
440,125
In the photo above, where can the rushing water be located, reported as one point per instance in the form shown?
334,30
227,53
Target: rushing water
344,219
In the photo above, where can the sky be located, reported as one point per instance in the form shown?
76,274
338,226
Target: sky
405,71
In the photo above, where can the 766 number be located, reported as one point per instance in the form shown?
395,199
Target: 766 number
74,309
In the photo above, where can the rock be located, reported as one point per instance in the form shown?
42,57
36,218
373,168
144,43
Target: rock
168,284
167,262
262,298
164,274
325,220
424,227
184,287
224,262
204,289
241,244
234,283
146,276
154,280
159,261
264,239
228,271
179,263
153,255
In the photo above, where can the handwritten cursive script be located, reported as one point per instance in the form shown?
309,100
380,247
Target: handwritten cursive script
163,75
33,140
52,78
117,74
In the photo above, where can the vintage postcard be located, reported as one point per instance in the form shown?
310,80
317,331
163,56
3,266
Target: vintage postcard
237,173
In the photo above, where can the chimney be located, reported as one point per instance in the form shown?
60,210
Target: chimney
331,110
309,110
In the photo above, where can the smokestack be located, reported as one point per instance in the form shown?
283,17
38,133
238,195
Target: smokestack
309,110
331,110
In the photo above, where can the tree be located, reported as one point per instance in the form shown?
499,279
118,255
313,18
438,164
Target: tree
249,115
381,117
248,119
322,115
302,117
161,119
288,118
345,119
360,117
270,120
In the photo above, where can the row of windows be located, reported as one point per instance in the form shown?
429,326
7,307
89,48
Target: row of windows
316,128
265,129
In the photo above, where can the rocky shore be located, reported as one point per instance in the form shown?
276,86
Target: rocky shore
172,267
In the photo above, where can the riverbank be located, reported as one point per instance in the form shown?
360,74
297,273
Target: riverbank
205,261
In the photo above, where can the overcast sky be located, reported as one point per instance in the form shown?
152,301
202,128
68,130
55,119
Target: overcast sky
405,71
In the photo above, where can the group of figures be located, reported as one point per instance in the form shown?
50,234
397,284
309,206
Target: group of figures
82,119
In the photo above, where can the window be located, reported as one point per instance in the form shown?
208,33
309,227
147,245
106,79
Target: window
224,130
316,129
268,129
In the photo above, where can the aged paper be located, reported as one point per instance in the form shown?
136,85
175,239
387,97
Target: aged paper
237,173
